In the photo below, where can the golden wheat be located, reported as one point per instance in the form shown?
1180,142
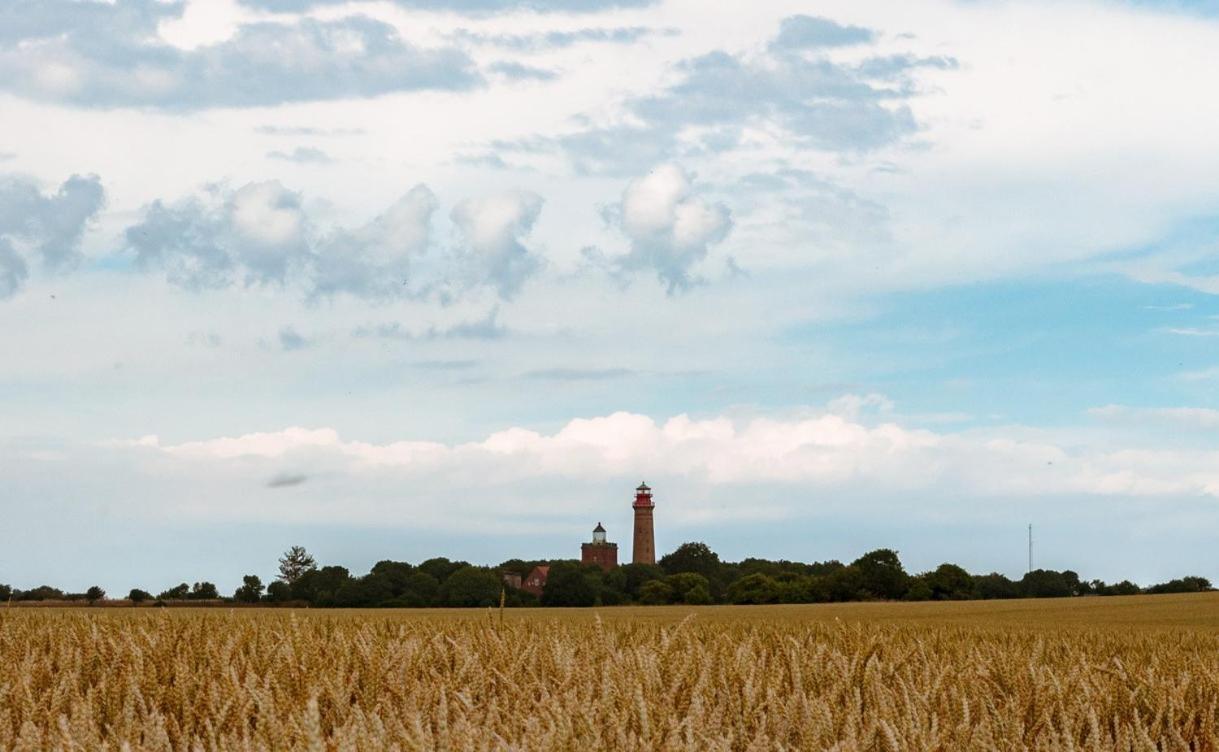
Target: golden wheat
878,677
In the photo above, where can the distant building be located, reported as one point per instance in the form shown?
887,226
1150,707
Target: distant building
535,582
644,549
600,552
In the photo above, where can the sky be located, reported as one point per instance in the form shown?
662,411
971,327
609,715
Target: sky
411,278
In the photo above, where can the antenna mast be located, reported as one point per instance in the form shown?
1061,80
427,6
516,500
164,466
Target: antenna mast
1030,547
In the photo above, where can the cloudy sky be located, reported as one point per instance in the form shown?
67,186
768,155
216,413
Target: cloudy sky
407,278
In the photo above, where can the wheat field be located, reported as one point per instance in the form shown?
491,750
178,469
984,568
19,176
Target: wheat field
1139,673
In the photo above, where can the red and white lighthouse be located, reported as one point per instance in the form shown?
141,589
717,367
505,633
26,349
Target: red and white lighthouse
644,550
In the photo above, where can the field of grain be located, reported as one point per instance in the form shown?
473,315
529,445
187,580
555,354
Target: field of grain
1137,673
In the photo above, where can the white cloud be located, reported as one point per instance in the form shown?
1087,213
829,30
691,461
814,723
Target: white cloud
261,234
823,451
492,228
670,229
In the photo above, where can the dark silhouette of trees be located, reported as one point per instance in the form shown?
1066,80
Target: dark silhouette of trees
692,574
948,582
250,590
880,575
570,584
203,591
755,588
295,562
471,586
175,593
1183,585
692,557
279,592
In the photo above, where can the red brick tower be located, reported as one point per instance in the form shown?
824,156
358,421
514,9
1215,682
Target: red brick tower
644,551
600,552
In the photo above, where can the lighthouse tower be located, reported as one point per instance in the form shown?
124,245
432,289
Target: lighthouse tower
600,552
644,550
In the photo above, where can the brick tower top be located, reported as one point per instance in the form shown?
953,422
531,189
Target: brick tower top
644,549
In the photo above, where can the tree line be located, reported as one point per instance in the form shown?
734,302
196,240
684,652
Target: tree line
692,574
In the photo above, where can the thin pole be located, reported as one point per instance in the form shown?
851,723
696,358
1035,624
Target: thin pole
1030,547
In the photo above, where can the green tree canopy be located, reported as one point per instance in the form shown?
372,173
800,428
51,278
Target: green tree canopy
753,588
570,584
471,586
250,590
881,574
692,557
295,562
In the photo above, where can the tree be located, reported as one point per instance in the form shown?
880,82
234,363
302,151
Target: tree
698,595
138,596
279,592
203,591
949,583
570,584
1046,583
6,592
363,592
295,562
881,574
175,593
692,557
753,588
682,583
638,574
471,586
655,593
919,590
94,594
421,589
994,585
1183,585
441,568
319,586
250,590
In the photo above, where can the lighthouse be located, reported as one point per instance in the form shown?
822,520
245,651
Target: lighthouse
600,552
644,550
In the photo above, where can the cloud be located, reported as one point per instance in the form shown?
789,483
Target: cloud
786,460
294,130
560,39
670,229
290,339
493,252
520,72
254,235
792,90
261,235
485,328
13,270
109,55
476,7
49,228
287,480
302,155
804,32
376,260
